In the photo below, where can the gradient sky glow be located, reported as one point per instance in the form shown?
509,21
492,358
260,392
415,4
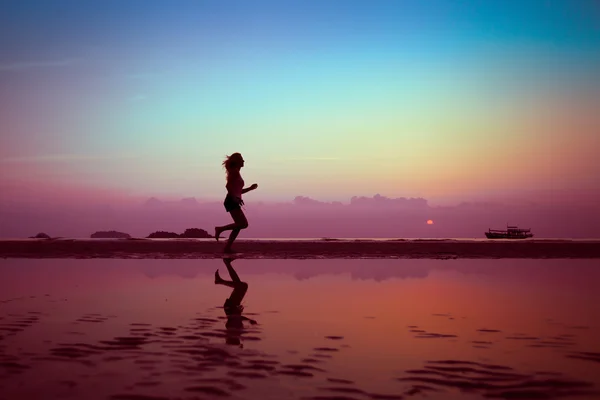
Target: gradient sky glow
327,99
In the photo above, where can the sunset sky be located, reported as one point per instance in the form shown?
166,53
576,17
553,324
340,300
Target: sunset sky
326,99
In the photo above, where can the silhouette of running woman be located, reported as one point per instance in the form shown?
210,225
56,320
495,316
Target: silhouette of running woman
233,201
233,304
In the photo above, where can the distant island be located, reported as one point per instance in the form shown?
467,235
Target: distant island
196,233
190,233
110,235
40,235
163,235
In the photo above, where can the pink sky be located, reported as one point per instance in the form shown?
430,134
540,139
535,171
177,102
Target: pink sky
453,103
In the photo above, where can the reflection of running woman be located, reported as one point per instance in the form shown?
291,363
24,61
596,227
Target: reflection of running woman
233,201
233,304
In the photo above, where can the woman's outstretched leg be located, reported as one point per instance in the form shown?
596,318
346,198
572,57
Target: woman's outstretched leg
232,236
240,223
221,229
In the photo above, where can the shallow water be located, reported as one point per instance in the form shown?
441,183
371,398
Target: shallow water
327,329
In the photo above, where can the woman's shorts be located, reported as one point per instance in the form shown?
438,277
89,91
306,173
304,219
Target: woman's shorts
232,203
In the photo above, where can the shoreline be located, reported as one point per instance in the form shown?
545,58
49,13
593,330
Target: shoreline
298,249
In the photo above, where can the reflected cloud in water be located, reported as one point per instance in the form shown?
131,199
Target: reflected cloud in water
578,273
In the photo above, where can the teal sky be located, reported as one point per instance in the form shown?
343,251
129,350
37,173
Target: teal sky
328,99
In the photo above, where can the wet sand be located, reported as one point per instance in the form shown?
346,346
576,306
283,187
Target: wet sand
299,249
347,329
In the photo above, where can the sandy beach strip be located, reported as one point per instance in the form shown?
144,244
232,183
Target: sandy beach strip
298,249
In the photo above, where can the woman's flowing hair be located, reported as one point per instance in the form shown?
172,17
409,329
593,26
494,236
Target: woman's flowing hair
231,162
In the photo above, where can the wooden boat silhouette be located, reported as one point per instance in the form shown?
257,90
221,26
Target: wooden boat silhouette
511,232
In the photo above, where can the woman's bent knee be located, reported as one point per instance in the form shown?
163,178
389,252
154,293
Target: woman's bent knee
243,225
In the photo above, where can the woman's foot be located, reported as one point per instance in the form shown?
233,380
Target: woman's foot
218,278
217,232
